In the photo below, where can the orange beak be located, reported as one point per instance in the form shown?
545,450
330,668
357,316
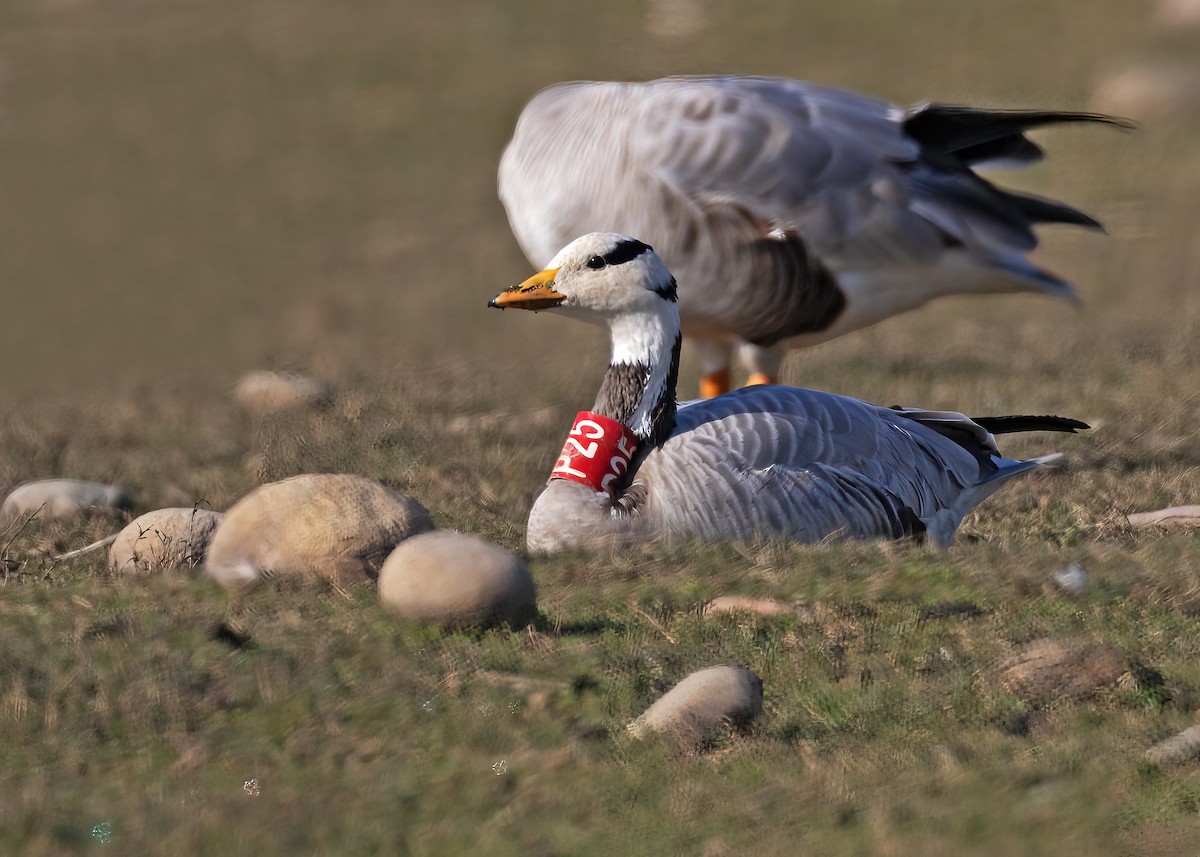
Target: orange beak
535,293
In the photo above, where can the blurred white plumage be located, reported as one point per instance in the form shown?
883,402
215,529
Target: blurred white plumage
790,213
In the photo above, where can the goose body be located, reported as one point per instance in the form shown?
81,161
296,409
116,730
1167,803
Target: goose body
800,463
791,213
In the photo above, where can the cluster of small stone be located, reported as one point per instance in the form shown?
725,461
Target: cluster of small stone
341,527
352,529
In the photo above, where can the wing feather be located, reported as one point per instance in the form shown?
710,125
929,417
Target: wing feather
811,465
759,193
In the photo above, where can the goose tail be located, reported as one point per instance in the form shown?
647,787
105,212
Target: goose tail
1006,469
942,526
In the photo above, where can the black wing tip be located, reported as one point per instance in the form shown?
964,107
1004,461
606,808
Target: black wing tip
1121,122
975,135
1039,209
1023,422
1026,422
932,110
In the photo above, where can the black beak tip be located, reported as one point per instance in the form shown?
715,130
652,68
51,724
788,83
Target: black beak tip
492,303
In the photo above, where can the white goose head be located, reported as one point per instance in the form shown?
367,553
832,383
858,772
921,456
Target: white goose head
617,281
597,278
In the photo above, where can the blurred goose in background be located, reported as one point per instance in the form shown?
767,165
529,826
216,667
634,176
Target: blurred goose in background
791,213
799,463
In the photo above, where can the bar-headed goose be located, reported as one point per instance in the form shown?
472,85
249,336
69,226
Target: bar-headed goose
791,213
767,459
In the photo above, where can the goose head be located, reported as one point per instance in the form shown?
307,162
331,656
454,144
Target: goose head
619,282
598,278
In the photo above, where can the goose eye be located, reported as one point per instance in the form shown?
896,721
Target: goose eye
596,262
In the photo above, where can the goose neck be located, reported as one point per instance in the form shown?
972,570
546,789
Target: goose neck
639,387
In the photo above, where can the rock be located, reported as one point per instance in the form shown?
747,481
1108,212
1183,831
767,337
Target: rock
337,526
267,392
703,704
164,539
1188,516
1046,670
1178,748
457,580
725,604
1150,91
57,498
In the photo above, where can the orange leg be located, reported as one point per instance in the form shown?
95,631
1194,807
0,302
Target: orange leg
760,378
715,383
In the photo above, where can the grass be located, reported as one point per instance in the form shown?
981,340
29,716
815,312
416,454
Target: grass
196,189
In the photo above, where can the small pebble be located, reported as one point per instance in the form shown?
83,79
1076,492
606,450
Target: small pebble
164,539
267,392
703,705
58,498
337,526
457,580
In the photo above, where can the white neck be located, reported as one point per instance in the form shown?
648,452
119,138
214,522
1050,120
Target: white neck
647,339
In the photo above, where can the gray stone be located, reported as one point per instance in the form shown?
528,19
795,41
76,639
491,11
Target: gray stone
457,580
164,539
703,704
337,526
58,498
1182,747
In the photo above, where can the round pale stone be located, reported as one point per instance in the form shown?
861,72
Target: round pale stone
457,580
337,526
164,539
703,704
266,392
57,498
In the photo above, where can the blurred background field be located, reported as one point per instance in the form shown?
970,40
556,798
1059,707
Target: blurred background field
191,190
194,188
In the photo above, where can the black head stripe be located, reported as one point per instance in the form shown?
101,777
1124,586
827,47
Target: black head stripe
668,292
625,251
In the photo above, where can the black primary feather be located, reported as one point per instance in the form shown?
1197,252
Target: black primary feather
1007,425
973,134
